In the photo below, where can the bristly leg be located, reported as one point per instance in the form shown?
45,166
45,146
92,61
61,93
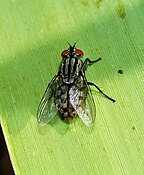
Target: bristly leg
92,84
87,60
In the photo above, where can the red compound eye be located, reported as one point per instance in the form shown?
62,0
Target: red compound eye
79,52
64,53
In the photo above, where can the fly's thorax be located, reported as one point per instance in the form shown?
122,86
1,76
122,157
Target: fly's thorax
70,69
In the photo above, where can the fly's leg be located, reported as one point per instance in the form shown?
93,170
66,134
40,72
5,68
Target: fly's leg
92,84
87,60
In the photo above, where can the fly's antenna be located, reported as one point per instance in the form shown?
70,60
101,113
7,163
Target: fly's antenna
74,44
69,44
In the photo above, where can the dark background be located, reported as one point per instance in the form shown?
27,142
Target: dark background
5,163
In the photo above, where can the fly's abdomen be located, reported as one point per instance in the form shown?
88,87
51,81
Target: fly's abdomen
70,69
63,103
69,98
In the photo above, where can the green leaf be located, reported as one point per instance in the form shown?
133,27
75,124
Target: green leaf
33,34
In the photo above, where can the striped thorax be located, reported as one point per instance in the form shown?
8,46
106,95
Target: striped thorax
71,64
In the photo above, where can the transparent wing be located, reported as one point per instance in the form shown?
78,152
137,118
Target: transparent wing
82,101
47,108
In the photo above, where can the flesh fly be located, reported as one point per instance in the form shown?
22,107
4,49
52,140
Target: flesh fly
69,91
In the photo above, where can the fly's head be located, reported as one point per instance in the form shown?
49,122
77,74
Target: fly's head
72,51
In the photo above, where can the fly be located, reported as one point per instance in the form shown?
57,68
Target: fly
69,91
